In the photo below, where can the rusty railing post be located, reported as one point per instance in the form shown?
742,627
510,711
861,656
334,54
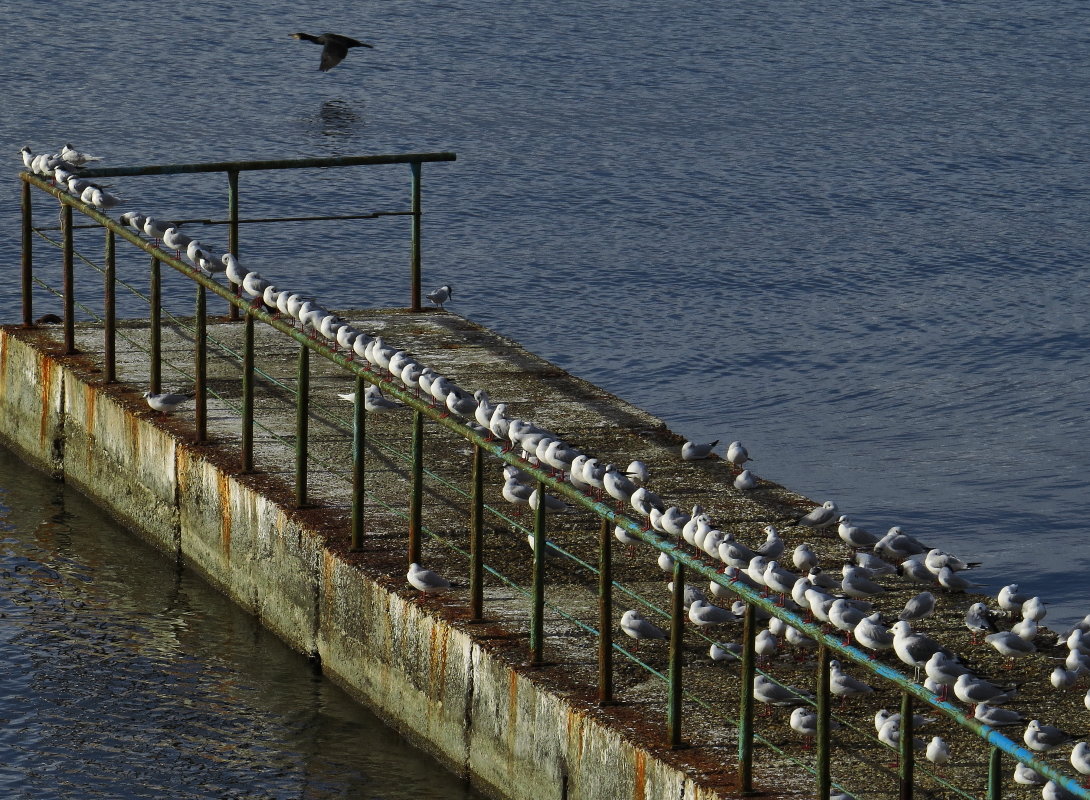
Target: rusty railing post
416,494
677,631
359,438
414,298
109,312
248,395
69,281
476,537
908,755
537,605
824,779
27,260
605,613
302,417
200,417
745,713
155,331
232,232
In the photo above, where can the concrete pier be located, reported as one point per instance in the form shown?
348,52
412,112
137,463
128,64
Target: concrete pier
461,690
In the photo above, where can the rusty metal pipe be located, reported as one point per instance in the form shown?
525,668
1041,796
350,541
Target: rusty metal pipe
109,313
605,613
200,367
27,257
359,439
248,396
69,282
476,537
677,652
414,256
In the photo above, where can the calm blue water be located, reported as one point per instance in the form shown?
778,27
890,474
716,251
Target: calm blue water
851,235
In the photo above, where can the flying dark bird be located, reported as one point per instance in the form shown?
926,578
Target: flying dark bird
334,47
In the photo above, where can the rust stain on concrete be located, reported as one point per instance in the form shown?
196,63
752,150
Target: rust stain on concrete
5,348
640,789
438,665
45,381
223,484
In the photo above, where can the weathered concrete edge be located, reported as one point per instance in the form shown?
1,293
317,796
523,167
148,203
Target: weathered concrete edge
485,719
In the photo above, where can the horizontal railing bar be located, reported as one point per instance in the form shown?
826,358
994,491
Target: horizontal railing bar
197,221
290,163
569,492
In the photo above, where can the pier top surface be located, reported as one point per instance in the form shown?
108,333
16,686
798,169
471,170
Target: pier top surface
599,424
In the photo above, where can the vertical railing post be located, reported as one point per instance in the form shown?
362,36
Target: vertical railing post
232,231
359,439
416,493
414,298
605,613
745,713
302,417
677,651
27,260
155,331
69,281
109,312
248,395
824,779
476,537
537,605
200,417
907,753
995,774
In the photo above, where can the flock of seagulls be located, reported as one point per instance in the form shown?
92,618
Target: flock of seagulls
851,603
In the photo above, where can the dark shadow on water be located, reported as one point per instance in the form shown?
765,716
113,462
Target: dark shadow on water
337,119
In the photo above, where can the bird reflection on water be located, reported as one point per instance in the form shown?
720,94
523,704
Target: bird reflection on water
337,118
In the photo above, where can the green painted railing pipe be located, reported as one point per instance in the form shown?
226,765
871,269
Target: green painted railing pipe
290,163
995,774
232,231
69,281
824,779
26,258
605,613
200,367
248,395
476,537
416,492
109,312
677,653
155,328
302,421
537,605
907,752
359,443
745,712
414,252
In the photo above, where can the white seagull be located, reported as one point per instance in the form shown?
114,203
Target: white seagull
168,402
441,295
426,581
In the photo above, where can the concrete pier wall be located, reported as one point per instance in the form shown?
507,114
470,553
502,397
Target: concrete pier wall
479,712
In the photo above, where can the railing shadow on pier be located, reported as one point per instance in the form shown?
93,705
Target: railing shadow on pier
850,752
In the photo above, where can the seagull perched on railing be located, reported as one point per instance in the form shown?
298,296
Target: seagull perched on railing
75,157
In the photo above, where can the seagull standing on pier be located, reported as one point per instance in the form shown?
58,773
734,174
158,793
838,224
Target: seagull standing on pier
441,295
167,402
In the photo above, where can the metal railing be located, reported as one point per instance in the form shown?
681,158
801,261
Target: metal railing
912,694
